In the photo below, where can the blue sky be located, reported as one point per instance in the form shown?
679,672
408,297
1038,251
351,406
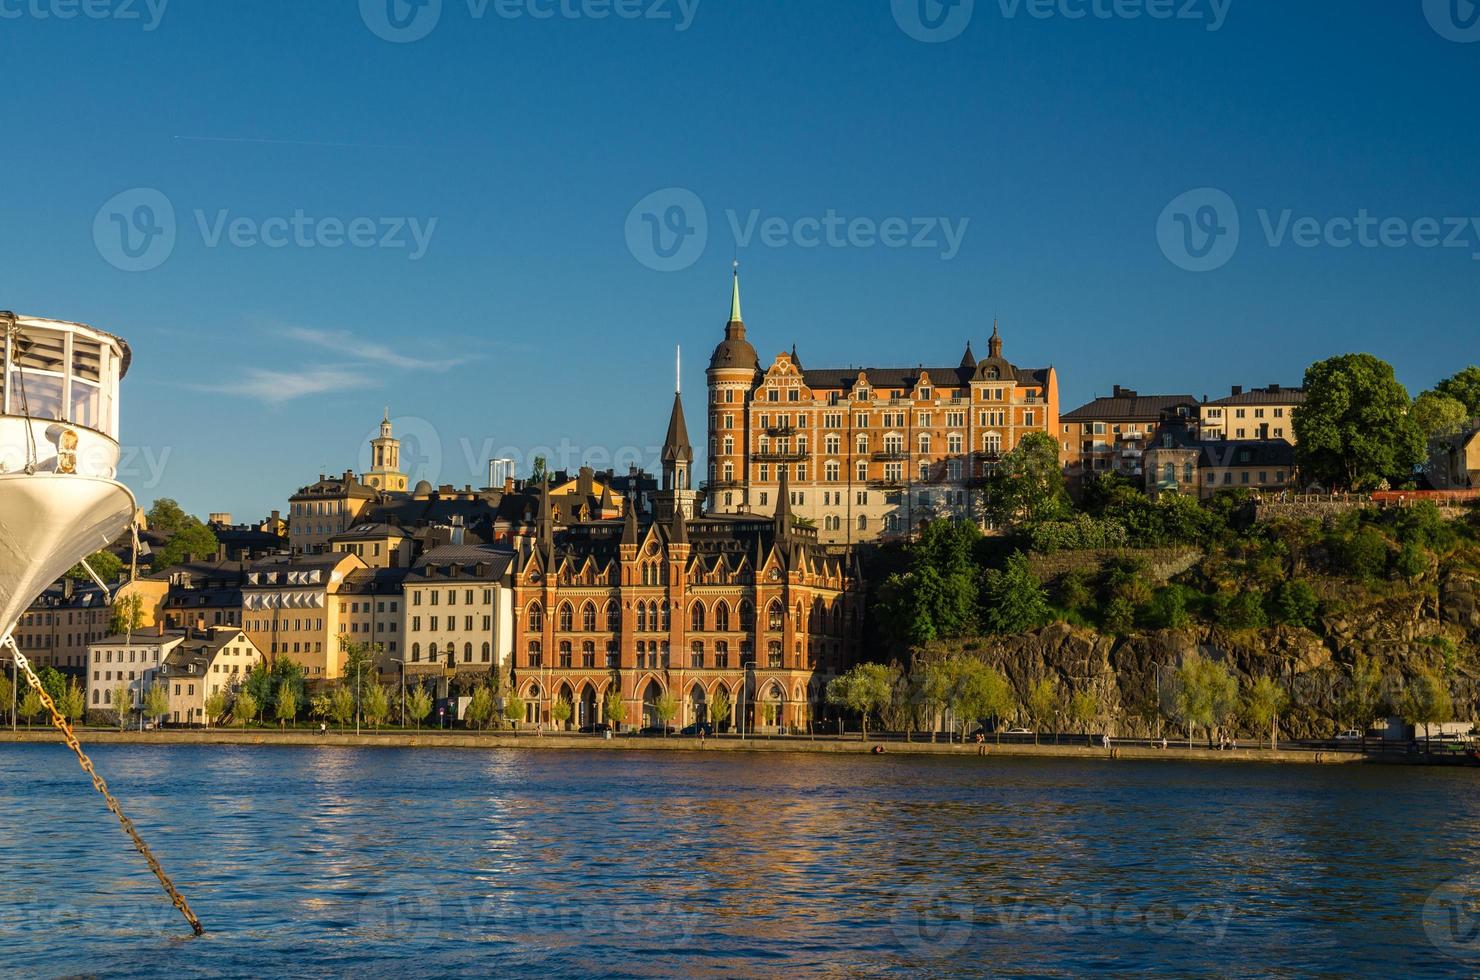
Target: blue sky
519,145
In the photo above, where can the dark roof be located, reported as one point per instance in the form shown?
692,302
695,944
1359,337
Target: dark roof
735,351
676,446
1247,452
374,581
1133,408
368,531
1273,395
907,377
467,559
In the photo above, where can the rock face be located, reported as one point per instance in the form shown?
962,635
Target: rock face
1402,636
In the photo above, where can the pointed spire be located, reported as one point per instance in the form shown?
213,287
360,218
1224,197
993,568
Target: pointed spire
629,526
968,359
795,360
676,448
735,316
679,532
995,344
783,505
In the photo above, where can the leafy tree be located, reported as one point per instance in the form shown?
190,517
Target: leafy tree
864,690
342,705
770,712
1169,608
615,707
376,704
192,542
538,470
1264,702
1412,561
53,682
1363,697
514,709
286,709
1015,601
321,706
1355,428
122,705
1439,415
419,705
666,707
720,708
480,708
937,597
216,704
561,711
1296,604
1244,611
31,706
972,691
157,702
166,516
1043,706
1027,486
108,566
1464,387
244,709
1074,593
7,695
1084,708
127,615
1426,701
1202,694
1120,616
73,704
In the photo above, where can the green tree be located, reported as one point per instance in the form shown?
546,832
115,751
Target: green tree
1027,486
480,708
108,566
1120,616
1296,604
342,705
1264,702
244,709
514,709
121,705
216,704
321,706
376,704
973,692
937,597
286,709
53,682
73,704
1438,415
127,615
166,516
31,706
1202,694
1169,608
666,708
1426,701
1043,706
7,695
1355,428
864,690
419,705
359,664
157,702
1084,708
1015,600
720,708
1464,387
562,711
1363,697
192,542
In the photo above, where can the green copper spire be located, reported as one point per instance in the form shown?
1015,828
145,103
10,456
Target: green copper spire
735,298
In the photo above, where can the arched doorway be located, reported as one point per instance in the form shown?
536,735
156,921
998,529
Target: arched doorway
565,694
773,706
698,705
586,707
650,696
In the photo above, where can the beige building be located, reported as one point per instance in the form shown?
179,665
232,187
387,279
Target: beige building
1265,466
370,612
459,612
133,661
385,461
290,609
377,545
57,628
868,452
321,510
1256,414
202,664
1112,433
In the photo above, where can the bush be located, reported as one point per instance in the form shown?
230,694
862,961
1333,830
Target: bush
1168,608
1296,604
1362,555
1412,561
1242,611
1120,616
1073,591
1080,532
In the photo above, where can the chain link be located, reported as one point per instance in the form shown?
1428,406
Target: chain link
60,721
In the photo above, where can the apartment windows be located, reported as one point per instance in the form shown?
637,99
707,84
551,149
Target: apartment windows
957,420
953,442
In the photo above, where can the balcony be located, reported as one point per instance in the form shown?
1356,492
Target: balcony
890,456
887,483
712,485
781,431
778,456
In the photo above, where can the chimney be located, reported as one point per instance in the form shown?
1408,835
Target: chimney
585,487
1274,389
508,484
1238,389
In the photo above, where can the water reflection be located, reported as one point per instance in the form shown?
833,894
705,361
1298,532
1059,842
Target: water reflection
427,863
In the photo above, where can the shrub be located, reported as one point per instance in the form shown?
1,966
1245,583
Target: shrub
1362,555
1296,604
1080,532
1168,608
1412,561
1073,590
1241,611
1120,616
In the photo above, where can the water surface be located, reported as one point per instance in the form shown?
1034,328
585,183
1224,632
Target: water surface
313,862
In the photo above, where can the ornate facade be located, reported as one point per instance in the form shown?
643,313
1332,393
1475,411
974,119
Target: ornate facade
684,605
866,452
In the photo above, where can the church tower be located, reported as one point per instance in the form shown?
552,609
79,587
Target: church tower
678,464
385,461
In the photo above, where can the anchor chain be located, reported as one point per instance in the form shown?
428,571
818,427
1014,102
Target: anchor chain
60,721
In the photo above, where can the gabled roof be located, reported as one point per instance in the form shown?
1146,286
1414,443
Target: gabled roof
962,375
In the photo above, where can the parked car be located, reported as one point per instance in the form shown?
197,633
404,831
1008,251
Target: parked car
599,729
1350,735
657,730
703,728
1019,730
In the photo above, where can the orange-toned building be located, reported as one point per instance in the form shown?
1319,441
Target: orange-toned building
868,452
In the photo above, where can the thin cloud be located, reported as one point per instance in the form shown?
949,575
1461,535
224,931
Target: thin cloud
276,387
345,343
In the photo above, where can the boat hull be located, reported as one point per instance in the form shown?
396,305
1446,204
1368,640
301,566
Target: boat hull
48,523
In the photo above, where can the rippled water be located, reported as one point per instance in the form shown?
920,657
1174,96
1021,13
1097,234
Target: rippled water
422,862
